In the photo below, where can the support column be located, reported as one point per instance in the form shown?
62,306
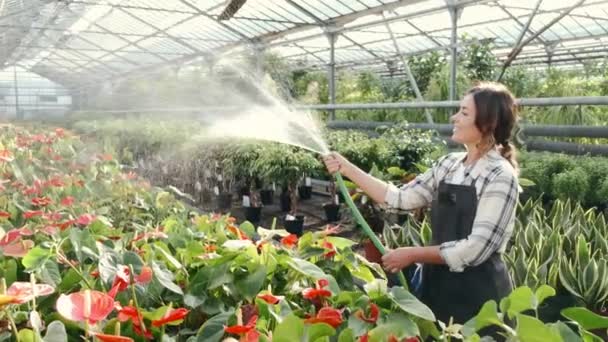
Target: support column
408,71
454,13
259,61
18,114
332,37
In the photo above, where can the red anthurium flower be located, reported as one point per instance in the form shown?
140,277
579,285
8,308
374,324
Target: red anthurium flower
66,224
32,213
41,201
270,299
123,279
327,315
87,305
4,214
364,338
18,249
67,201
6,156
52,216
171,316
112,338
242,329
145,276
10,237
85,219
24,291
127,313
374,312
319,291
290,240
251,336
55,181
331,250
236,231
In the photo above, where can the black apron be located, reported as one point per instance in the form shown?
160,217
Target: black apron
460,294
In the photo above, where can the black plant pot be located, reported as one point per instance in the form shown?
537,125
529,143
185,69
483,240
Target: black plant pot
305,192
285,201
295,226
267,197
253,214
244,191
224,201
332,212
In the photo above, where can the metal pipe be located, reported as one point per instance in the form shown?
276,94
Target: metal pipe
454,51
526,130
16,87
332,73
413,83
519,39
533,102
566,147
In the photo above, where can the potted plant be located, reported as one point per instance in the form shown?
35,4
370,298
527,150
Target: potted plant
242,158
285,165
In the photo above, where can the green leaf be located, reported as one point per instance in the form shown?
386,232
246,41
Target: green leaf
250,286
544,292
213,329
521,299
27,335
524,182
565,332
10,271
69,280
248,228
410,304
165,278
172,261
530,329
398,324
291,329
311,270
586,318
340,243
50,273
487,316
346,336
35,258
55,332
320,330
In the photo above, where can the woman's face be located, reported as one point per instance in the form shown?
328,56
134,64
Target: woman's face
465,131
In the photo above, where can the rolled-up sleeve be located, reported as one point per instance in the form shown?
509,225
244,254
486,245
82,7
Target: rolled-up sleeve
492,226
419,192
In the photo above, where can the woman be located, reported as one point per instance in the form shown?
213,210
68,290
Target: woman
473,197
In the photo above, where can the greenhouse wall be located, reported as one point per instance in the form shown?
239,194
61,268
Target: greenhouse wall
37,97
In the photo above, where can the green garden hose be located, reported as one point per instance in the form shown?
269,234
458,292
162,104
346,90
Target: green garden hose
361,221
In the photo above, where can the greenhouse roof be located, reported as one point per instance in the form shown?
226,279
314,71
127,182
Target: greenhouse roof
79,42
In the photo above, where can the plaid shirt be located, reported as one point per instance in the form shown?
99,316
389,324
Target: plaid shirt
497,193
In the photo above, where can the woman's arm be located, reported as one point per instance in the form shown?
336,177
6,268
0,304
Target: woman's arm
416,194
373,187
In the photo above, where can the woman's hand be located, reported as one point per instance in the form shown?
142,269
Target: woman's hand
398,259
335,162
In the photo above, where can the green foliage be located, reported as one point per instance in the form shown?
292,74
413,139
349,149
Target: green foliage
580,179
